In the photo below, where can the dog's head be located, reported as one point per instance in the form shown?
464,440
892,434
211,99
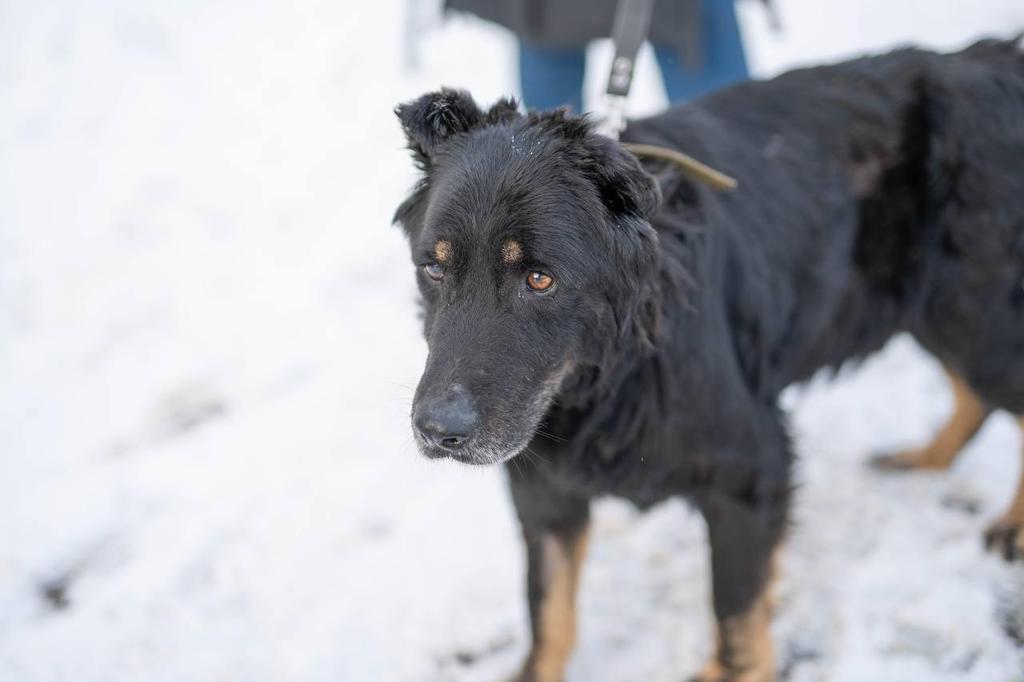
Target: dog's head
534,255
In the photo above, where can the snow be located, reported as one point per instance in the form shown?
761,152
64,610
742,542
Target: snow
209,342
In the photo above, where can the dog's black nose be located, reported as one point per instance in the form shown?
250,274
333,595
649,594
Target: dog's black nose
447,422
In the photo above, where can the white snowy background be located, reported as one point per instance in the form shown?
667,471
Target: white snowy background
209,342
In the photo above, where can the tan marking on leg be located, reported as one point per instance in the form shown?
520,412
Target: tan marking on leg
969,413
557,632
743,643
1006,534
443,251
713,670
511,252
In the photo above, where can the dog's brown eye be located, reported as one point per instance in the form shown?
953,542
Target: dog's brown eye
434,271
539,281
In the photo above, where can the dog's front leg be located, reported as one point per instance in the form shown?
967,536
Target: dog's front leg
744,537
555,530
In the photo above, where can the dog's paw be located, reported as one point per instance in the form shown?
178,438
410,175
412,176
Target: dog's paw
907,460
1006,538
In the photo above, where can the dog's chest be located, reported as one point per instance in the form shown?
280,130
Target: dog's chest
642,472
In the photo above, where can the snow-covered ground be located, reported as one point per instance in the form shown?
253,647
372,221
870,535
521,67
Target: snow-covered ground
208,345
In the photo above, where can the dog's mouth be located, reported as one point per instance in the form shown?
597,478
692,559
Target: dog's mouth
454,428
478,452
496,440
489,444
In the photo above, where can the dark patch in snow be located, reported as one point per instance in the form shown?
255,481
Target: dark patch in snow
915,639
186,409
469,657
963,664
193,416
1010,614
962,503
55,592
175,415
797,654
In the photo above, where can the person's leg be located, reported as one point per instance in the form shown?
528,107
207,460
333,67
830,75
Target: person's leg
723,50
723,59
680,79
551,77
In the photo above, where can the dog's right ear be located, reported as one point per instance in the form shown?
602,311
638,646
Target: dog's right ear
435,117
428,122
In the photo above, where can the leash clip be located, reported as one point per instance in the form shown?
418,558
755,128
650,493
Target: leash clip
632,22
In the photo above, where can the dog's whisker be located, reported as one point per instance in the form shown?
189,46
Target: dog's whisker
550,436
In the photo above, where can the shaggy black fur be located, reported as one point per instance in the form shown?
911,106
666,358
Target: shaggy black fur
879,195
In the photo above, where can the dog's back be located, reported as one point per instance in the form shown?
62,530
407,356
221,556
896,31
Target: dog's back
929,148
972,313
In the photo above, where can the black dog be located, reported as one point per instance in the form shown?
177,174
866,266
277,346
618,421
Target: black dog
621,333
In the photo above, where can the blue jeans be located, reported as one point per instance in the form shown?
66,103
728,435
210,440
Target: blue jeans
553,77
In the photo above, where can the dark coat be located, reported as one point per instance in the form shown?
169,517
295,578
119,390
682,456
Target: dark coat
879,195
573,23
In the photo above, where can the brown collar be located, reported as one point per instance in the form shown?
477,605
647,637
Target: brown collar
690,166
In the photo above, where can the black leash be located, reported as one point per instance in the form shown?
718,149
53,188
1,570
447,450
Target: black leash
632,23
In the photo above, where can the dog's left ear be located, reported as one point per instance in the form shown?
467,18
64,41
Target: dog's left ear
435,117
631,196
624,186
